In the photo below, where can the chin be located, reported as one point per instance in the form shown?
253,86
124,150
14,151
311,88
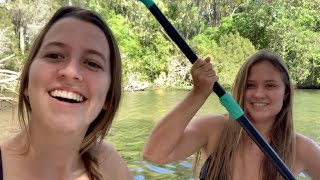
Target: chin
66,125
258,117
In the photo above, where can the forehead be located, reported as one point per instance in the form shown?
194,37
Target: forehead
79,34
264,70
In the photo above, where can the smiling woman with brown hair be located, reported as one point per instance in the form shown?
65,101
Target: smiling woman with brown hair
70,91
264,91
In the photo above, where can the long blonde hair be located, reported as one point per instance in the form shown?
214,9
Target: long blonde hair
233,135
101,125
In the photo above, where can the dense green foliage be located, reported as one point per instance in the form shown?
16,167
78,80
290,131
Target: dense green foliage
227,31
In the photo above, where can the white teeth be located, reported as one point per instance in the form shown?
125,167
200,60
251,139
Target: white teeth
259,104
67,95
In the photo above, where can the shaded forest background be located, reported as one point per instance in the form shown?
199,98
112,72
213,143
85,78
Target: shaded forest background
228,31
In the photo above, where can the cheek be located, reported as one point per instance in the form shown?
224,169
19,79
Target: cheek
246,99
279,98
247,96
102,88
37,73
106,84
35,81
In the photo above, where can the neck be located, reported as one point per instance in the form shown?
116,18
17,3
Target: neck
264,127
52,154
264,130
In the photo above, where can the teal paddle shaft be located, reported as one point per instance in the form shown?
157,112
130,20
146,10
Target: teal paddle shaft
225,98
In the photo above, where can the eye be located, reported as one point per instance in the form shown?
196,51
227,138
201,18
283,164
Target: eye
270,86
54,56
93,65
250,85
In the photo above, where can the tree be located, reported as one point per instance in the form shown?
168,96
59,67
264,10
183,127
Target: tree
233,50
294,36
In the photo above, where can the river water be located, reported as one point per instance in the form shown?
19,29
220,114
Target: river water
140,111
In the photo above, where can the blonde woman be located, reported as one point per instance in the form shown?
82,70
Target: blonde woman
70,91
263,89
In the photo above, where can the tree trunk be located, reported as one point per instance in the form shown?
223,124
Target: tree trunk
21,36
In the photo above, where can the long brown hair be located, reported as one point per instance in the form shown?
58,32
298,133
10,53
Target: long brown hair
233,136
101,125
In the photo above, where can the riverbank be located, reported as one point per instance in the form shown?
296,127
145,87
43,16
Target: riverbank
8,121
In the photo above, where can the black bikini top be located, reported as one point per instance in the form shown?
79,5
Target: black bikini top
204,169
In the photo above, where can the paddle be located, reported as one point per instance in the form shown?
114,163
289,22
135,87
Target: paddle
225,98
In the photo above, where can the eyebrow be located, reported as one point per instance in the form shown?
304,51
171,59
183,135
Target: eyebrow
62,45
92,51
55,43
268,81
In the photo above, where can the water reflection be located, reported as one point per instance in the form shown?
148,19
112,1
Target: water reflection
168,171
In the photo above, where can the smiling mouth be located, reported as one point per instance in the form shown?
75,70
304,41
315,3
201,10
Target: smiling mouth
259,104
67,96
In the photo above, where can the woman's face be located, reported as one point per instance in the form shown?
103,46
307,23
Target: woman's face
70,76
265,92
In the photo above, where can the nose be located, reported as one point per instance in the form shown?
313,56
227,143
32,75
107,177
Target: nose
71,70
259,92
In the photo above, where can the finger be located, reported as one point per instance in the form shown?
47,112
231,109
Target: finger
207,67
199,63
211,72
207,60
216,78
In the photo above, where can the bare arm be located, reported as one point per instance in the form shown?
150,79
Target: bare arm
174,137
308,152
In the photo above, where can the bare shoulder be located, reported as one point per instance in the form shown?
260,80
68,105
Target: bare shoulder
2,144
308,155
110,163
304,144
16,142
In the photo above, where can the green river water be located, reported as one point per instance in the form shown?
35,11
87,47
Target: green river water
140,111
